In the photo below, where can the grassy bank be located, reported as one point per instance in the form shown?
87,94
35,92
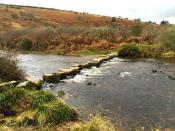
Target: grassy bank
141,50
28,107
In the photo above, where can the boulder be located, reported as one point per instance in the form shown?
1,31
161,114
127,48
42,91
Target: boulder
51,78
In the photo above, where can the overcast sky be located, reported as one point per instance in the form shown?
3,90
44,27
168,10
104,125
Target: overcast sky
154,10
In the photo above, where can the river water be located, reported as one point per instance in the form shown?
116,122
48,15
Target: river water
36,65
131,93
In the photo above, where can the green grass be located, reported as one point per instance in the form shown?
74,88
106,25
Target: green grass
53,112
42,97
92,52
33,107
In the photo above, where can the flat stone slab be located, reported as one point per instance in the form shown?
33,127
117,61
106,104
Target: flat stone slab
63,73
11,83
75,69
51,78
38,82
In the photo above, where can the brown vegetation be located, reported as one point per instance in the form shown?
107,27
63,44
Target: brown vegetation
9,70
60,32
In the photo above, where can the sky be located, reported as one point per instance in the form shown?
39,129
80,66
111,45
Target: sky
146,10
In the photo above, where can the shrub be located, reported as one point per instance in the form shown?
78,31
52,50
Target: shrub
129,51
95,124
167,39
15,16
150,51
137,29
113,19
164,22
9,37
9,70
25,44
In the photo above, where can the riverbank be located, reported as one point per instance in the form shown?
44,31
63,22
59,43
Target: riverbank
30,109
109,83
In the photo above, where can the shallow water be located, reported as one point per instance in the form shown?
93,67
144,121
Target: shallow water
36,65
129,92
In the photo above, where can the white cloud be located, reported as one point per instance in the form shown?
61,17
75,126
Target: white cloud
145,9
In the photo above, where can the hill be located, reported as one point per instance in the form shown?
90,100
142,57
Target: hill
60,32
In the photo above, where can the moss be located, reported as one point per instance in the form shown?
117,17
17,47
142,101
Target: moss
96,124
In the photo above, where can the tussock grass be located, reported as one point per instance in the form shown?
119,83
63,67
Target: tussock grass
97,123
33,107
41,98
53,112
14,100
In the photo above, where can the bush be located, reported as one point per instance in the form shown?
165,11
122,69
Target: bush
113,19
150,51
9,70
25,44
95,124
137,29
167,39
129,51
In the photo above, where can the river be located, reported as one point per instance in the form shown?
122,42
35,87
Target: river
131,93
